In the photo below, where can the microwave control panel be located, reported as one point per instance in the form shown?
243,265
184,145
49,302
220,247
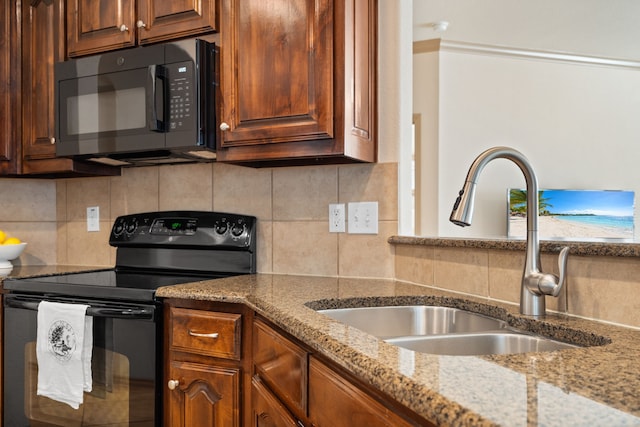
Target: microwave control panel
181,96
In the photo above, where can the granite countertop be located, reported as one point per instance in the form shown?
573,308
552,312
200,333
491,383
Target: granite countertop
593,386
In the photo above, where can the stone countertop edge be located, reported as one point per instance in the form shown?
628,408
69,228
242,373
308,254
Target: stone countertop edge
553,246
601,377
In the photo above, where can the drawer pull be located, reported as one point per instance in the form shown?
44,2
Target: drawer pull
172,384
201,335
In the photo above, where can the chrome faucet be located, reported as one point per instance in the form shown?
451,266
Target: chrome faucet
535,283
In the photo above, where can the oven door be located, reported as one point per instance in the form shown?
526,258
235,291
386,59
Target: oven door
125,367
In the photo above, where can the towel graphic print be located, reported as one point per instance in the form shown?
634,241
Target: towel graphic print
62,340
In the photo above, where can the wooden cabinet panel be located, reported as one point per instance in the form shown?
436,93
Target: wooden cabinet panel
167,19
204,396
204,332
98,25
336,402
298,81
101,25
277,75
267,410
282,365
9,88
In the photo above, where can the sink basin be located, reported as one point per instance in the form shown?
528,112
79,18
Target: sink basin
507,342
401,321
442,330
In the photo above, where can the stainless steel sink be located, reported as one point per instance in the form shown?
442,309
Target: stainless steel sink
507,342
400,321
442,330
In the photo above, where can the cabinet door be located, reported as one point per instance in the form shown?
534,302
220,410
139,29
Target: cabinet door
99,25
9,88
166,19
336,402
203,396
266,408
277,74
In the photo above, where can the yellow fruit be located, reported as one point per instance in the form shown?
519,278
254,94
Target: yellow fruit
3,236
12,241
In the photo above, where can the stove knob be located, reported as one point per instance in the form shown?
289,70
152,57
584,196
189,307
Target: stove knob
221,227
173,384
237,230
131,227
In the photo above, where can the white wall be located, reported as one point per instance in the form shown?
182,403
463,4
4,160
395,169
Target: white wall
578,125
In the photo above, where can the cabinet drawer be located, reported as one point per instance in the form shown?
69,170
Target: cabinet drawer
207,333
282,365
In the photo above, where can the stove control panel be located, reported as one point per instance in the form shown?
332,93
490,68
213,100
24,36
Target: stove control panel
194,229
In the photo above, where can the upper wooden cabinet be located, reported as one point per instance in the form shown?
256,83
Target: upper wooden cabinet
298,81
43,44
9,89
100,25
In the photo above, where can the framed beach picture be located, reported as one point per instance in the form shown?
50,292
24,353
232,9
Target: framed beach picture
581,215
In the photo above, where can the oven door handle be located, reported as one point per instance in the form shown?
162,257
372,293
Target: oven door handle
112,312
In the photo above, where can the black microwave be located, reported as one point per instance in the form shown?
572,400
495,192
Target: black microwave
141,106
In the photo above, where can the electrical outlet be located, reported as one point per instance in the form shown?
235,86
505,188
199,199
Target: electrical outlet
336,218
363,218
93,218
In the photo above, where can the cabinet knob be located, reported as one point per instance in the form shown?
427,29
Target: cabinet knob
124,28
140,24
172,384
52,140
224,127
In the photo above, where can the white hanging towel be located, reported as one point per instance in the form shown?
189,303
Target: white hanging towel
63,349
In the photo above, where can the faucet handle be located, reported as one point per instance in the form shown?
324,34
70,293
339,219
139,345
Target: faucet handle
548,284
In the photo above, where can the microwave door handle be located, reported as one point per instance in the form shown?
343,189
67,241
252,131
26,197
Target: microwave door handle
158,98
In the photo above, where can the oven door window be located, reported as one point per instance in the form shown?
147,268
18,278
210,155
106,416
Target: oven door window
124,371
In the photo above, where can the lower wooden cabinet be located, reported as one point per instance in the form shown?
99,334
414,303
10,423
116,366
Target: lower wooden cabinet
228,367
203,396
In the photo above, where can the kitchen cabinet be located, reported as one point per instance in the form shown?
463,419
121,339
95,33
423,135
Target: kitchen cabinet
9,89
298,81
205,372
103,25
43,44
293,386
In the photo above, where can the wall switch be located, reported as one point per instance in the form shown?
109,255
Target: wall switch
93,218
336,218
363,218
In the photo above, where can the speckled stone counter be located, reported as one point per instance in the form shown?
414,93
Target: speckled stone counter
22,271
590,386
577,248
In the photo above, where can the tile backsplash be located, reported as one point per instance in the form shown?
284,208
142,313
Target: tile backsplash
292,207
291,204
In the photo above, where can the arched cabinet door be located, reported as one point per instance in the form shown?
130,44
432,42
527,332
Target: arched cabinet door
201,395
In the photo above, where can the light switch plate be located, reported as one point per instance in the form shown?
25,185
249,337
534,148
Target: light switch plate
93,218
363,218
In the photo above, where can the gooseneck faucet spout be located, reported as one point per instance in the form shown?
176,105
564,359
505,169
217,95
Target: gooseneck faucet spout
535,284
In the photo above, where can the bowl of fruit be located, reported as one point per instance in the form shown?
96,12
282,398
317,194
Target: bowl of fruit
10,249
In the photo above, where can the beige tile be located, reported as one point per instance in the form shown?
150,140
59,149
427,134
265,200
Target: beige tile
415,264
136,190
264,247
41,240
85,192
61,243
304,193
604,288
28,200
505,275
371,183
61,200
89,248
186,187
304,247
242,190
367,255
462,270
